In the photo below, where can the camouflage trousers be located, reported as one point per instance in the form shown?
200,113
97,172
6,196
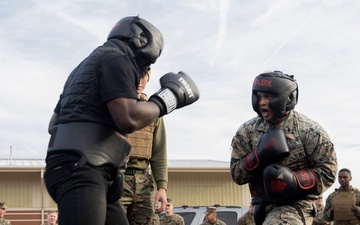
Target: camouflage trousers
138,198
287,215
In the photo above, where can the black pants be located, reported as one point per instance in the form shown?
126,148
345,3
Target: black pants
80,191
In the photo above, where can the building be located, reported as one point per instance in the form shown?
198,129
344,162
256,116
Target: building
204,182
191,182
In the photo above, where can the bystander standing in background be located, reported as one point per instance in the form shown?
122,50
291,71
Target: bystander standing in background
3,208
248,217
343,205
52,218
211,217
171,218
319,209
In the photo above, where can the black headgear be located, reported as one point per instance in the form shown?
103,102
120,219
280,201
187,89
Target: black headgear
282,86
145,39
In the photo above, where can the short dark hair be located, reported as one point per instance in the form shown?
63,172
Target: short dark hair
345,170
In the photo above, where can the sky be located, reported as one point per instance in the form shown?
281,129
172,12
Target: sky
221,44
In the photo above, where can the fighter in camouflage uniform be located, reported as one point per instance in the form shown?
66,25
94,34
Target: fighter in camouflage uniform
3,208
148,148
343,205
285,157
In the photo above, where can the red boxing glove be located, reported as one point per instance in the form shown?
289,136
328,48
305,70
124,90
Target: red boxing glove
271,148
280,182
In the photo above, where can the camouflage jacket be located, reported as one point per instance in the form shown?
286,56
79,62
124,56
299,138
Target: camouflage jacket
309,145
246,219
319,217
329,205
218,222
174,219
4,222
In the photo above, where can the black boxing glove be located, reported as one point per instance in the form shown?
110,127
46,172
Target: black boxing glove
177,91
271,148
280,182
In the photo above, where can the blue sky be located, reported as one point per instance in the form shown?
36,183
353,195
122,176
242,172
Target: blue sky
222,45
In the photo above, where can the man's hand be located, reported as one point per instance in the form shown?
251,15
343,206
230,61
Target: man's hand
160,198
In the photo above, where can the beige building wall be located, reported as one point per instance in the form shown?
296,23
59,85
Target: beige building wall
23,190
206,188
22,187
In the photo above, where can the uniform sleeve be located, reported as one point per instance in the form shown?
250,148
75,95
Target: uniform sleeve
328,210
241,147
322,156
319,218
181,220
242,220
357,203
158,160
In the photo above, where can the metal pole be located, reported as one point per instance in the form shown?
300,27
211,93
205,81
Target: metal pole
10,155
42,195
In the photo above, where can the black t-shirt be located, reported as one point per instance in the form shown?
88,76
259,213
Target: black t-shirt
117,77
109,72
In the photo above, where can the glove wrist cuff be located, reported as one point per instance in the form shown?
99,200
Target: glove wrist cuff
165,100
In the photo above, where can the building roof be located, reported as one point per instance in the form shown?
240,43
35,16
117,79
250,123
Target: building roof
183,165
198,165
29,165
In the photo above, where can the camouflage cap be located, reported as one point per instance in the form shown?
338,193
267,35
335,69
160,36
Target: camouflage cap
2,205
210,210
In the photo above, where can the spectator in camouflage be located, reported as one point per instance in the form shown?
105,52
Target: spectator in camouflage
247,218
140,202
171,218
319,215
211,217
3,208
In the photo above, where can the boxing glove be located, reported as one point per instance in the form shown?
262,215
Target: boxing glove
177,91
272,147
280,182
